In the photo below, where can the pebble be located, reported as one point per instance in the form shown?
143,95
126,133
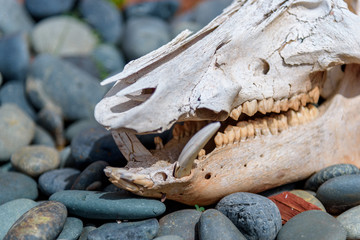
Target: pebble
178,26
46,8
181,223
12,211
350,220
93,144
214,225
257,217
72,229
314,182
49,83
14,18
143,35
14,57
51,119
86,63
164,9
64,36
17,130
85,232
314,224
340,193
14,92
169,237
104,17
35,160
57,180
66,160
142,230
42,137
206,11
91,174
109,58
78,126
44,221
105,205
309,198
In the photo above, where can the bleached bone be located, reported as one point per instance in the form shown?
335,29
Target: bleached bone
253,52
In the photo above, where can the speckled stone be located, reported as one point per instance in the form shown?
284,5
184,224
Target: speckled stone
17,130
169,237
16,185
340,193
105,205
57,180
12,211
142,230
72,229
350,220
214,225
44,221
181,223
314,182
257,217
314,224
35,160
309,198
91,174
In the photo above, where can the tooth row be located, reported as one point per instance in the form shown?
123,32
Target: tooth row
187,129
274,125
270,105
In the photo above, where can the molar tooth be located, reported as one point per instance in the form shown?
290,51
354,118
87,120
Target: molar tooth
225,139
294,103
189,153
269,104
178,131
201,153
250,108
257,128
314,94
282,122
250,130
261,106
235,113
273,125
158,143
292,118
304,99
237,134
218,140
314,112
230,134
276,107
243,130
264,127
284,105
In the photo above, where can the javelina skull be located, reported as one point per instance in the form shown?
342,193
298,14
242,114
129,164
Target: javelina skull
254,73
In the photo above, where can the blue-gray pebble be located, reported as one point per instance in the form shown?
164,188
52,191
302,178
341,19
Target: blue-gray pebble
169,237
314,182
314,224
15,185
91,174
340,193
75,128
14,18
164,9
85,232
350,220
72,229
109,58
257,217
142,230
105,205
46,8
86,63
57,180
42,137
206,11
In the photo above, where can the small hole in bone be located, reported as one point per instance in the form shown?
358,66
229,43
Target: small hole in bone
245,165
261,155
260,67
208,176
161,176
266,66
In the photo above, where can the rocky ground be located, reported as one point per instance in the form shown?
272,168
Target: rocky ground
53,55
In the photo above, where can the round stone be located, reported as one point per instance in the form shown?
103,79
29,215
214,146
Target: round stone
105,205
314,224
314,182
181,223
350,220
257,217
109,58
17,130
91,174
164,9
309,198
46,8
16,185
14,18
44,221
57,180
72,229
78,126
42,137
206,11
85,232
214,225
340,193
35,160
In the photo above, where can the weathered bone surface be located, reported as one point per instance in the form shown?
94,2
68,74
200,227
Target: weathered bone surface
258,57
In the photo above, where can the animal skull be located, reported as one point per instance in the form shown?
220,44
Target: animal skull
257,68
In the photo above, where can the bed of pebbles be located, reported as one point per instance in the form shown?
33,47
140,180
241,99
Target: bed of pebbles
53,54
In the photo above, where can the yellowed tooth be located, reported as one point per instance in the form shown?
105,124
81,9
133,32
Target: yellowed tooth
250,130
144,182
276,107
219,140
257,128
305,112
243,130
225,139
261,106
301,117
178,131
294,103
263,126
282,122
269,104
188,128
126,185
314,94
314,112
230,135
284,105
237,134
292,118
250,108
201,153
304,99
273,125
158,143
235,114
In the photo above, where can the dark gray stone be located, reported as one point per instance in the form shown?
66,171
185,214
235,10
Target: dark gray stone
340,193
206,11
104,205
314,224
17,130
214,225
66,160
14,57
181,223
257,217
104,17
142,230
143,35
72,229
51,119
350,220
108,58
12,211
91,174
164,9
57,180
46,8
78,126
49,83
45,221
35,160
42,137
314,182
14,18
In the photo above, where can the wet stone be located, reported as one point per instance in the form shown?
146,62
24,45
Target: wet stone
91,174
35,160
309,198
340,193
214,225
57,180
14,18
46,8
314,224
105,205
257,217
314,182
12,211
142,230
164,9
350,220
44,221
17,130
181,223
72,229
